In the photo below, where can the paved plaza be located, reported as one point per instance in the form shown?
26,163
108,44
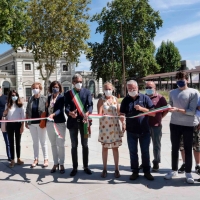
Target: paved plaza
22,182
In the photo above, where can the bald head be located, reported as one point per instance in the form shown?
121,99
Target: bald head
151,84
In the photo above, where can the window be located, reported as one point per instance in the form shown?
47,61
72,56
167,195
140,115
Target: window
65,89
27,66
28,93
65,68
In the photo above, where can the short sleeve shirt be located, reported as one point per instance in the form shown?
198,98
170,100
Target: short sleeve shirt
158,101
137,125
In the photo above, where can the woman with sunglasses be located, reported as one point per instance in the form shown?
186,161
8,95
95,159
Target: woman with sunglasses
55,111
14,111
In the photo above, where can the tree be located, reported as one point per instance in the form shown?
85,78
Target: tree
139,24
57,26
13,20
168,57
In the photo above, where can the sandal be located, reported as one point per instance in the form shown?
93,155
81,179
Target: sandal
35,162
62,169
117,174
46,164
104,173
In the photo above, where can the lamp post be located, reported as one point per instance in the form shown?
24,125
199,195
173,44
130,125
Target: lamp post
123,65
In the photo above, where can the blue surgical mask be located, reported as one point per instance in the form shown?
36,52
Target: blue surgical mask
180,83
55,90
149,91
14,98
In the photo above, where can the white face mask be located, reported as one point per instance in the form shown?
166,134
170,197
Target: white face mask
133,93
36,91
78,85
108,93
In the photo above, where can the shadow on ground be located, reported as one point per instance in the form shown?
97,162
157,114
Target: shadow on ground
25,173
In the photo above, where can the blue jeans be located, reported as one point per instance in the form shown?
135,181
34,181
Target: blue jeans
156,135
144,140
74,143
5,135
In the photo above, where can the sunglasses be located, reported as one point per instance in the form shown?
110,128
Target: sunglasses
79,82
148,88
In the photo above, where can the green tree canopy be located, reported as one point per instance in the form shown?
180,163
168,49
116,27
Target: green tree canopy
139,24
168,57
13,20
57,26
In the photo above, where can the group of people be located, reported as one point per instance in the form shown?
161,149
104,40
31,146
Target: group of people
77,105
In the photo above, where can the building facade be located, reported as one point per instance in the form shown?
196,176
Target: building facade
18,71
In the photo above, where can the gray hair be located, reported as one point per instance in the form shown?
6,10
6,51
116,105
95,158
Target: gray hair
132,82
76,76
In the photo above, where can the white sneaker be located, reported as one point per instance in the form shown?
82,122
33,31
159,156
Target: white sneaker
171,175
189,178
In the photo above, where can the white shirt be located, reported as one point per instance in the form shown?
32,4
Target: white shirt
15,112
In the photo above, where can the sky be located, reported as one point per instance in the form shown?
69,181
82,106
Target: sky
181,25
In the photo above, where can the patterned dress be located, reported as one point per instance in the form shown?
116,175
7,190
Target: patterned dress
109,129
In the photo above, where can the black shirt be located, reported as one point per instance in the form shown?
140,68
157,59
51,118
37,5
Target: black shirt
35,113
3,101
140,124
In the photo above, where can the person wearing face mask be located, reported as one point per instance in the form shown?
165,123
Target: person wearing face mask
76,119
3,100
110,133
55,111
137,128
155,122
35,107
14,111
182,124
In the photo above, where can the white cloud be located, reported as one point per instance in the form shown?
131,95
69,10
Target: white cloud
84,64
165,4
178,33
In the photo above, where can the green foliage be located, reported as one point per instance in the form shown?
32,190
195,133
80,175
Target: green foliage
168,57
139,24
13,20
57,26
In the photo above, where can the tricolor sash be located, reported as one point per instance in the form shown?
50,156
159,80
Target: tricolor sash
81,110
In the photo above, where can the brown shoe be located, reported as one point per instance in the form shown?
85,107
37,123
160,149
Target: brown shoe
12,164
20,162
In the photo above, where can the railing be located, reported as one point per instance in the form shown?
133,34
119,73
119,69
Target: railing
7,72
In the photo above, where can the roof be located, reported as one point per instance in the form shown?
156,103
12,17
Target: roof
170,74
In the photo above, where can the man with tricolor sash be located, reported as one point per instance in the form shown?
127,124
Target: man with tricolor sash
78,105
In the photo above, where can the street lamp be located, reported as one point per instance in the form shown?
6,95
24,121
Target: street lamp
112,66
123,66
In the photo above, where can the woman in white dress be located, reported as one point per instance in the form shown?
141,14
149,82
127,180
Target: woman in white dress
110,133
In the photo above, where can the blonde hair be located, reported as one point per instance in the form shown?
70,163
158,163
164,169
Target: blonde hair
37,83
108,83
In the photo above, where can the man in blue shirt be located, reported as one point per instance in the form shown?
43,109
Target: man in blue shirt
75,122
3,101
137,128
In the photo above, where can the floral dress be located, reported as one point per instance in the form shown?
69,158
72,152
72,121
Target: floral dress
109,129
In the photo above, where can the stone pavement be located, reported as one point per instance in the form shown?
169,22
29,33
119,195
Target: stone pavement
24,183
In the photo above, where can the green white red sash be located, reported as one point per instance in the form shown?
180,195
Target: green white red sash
81,110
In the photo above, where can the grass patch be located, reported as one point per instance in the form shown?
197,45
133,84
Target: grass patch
162,92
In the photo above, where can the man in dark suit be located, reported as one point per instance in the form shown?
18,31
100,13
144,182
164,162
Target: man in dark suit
75,122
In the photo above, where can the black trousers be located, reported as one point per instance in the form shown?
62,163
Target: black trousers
176,132
74,142
13,130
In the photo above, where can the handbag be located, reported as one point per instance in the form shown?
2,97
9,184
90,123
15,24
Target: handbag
43,121
3,125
